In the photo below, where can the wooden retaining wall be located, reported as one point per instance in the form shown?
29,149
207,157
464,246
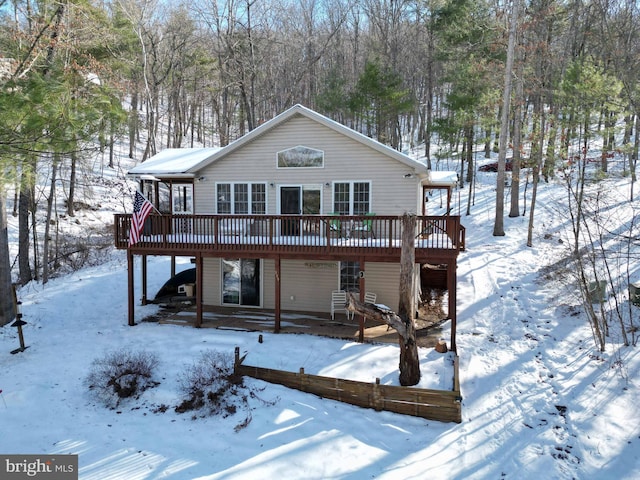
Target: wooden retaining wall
440,405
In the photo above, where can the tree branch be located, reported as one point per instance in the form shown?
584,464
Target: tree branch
373,312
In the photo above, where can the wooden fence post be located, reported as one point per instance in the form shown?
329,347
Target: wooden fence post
302,380
377,398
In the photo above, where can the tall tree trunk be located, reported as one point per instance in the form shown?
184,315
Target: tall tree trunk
72,185
34,233
47,239
550,160
536,176
111,149
633,157
498,226
6,298
409,362
133,124
24,265
430,89
469,139
402,322
487,143
468,154
16,191
517,142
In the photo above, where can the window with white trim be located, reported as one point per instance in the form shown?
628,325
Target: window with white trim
258,198
241,198
350,276
352,198
300,157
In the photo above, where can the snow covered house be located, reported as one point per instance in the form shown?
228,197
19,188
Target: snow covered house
298,208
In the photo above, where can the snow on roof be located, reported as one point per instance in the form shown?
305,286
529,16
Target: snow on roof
443,177
173,161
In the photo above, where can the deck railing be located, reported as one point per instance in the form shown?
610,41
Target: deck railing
287,233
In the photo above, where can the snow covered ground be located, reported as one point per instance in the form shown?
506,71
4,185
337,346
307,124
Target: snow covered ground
539,399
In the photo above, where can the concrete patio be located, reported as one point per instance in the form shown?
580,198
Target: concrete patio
310,323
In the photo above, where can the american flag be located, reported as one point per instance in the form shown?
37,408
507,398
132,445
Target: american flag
141,210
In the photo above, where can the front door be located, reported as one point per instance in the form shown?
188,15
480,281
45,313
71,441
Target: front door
290,199
298,200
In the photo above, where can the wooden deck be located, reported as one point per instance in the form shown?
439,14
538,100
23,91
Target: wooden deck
362,238
329,237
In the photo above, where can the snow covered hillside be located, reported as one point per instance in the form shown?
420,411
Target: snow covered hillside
540,400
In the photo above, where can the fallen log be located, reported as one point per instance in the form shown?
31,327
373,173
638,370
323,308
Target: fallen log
377,313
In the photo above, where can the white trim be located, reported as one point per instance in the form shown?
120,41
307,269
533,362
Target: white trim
351,194
249,200
278,167
302,186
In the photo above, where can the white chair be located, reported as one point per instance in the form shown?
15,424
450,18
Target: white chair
370,297
338,302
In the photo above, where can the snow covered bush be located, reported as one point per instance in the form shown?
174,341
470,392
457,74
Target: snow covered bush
211,384
121,374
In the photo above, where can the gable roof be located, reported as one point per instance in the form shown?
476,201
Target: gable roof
187,162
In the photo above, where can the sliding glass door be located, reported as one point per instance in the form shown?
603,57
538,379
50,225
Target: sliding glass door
241,282
298,199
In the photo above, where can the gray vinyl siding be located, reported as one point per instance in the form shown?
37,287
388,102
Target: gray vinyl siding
309,282
344,160
211,293
383,279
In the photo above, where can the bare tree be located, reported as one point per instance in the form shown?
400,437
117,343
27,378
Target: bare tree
403,321
26,201
516,161
6,300
498,227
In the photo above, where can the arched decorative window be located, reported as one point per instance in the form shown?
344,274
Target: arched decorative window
300,157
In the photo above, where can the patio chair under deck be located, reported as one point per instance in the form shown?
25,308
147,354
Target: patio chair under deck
338,302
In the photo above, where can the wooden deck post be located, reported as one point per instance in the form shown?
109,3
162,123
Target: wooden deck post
199,289
451,289
362,287
276,326
130,267
144,279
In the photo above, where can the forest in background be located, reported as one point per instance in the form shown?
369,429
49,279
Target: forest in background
78,77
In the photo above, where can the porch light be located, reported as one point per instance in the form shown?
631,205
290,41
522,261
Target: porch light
327,184
272,185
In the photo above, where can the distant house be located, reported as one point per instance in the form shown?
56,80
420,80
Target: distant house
298,208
